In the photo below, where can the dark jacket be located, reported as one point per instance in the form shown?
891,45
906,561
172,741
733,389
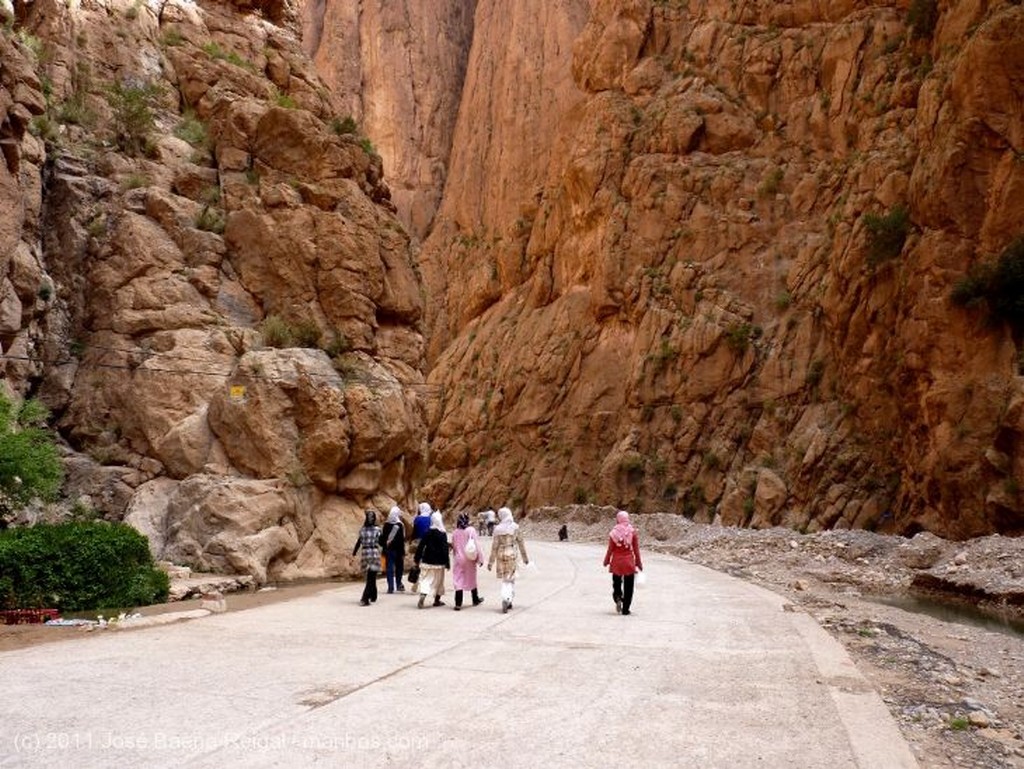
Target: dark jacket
397,546
433,549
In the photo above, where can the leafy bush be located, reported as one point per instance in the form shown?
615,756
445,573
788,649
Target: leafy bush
133,106
886,235
78,566
739,335
999,286
29,463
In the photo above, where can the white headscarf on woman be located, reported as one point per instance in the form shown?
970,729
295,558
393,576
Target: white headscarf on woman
506,525
424,508
395,516
437,522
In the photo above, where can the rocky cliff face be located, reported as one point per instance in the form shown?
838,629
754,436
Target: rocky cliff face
397,68
204,278
711,272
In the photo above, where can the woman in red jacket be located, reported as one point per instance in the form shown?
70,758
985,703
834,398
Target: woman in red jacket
623,560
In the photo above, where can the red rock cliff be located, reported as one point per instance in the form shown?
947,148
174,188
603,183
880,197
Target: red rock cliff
699,256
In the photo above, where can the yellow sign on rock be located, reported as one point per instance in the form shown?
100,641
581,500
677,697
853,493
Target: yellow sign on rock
238,392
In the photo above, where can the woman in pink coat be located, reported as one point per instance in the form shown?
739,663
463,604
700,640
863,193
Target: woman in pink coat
464,567
623,560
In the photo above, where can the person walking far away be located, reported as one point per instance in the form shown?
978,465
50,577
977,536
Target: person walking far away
432,558
623,560
392,540
369,540
563,533
468,555
507,540
490,518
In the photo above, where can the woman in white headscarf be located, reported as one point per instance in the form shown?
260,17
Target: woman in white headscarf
392,541
505,549
432,558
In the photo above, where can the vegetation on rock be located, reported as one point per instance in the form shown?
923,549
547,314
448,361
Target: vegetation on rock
30,464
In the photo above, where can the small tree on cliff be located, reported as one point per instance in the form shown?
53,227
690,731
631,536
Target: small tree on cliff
29,463
133,120
998,286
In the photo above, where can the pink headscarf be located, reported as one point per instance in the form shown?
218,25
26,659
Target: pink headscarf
622,533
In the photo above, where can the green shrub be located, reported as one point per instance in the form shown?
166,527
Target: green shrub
771,183
211,219
886,235
276,332
339,344
214,51
172,37
30,465
922,18
192,129
306,334
284,100
999,286
133,118
634,468
346,126
78,566
133,181
739,335
76,111
45,128
959,724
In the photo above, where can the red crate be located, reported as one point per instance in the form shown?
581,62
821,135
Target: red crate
28,616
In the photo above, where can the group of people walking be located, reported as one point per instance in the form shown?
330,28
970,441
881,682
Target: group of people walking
463,554
435,554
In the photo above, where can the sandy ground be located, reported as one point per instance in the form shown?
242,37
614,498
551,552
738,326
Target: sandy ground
954,687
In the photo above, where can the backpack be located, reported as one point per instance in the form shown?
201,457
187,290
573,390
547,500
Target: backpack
470,550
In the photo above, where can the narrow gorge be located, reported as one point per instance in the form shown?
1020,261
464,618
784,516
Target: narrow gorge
749,262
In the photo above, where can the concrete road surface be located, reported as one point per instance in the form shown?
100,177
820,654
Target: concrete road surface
707,672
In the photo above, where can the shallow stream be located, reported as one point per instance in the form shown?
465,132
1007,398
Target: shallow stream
955,611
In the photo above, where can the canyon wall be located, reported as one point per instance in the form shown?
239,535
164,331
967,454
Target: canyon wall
397,68
718,280
205,279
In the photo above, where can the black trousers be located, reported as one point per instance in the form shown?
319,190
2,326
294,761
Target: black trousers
370,591
622,589
458,597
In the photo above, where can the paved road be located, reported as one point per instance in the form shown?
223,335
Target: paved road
708,672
